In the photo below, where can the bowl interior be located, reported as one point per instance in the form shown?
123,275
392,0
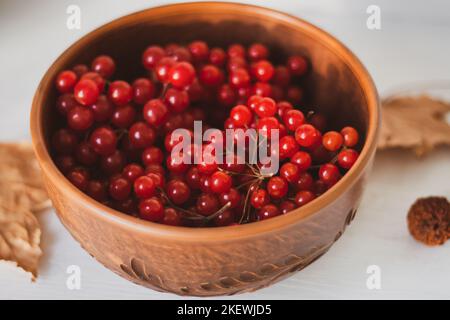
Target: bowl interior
331,87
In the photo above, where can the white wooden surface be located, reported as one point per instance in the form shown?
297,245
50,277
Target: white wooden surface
411,46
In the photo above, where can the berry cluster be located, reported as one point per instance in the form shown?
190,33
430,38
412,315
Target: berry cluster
115,143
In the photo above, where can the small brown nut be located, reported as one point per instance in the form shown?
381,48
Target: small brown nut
428,220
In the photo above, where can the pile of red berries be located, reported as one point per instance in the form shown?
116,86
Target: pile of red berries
115,140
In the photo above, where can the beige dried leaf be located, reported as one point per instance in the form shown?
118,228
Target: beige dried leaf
416,123
21,192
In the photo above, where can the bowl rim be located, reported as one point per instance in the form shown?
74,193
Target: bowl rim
212,234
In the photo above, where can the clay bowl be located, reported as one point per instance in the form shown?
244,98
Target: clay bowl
227,260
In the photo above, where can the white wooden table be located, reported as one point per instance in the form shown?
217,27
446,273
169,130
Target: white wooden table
411,46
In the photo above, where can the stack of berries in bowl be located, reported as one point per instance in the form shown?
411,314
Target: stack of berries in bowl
115,141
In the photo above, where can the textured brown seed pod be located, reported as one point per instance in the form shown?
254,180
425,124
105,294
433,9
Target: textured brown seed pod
428,220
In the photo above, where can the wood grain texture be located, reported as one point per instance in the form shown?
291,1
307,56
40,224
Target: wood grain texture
224,260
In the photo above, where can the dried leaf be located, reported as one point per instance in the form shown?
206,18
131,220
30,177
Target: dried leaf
416,123
21,192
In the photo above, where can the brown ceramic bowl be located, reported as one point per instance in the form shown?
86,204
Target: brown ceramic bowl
227,260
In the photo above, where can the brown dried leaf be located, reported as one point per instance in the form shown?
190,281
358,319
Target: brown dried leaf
21,192
415,123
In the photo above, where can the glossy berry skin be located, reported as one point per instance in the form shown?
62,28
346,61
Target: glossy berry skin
64,142
302,159
171,217
141,135
94,76
262,89
226,96
144,187
307,136
236,50
143,90
266,126
220,182
65,81
208,164
288,147
152,155
192,178
211,76
304,197
129,205
286,206
199,50
151,56
266,108
65,163
257,51
239,78
254,101
207,204
268,211
350,136
290,172
224,219
79,177
282,130
158,179
259,198
293,119
65,103
241,116
283,107
176,165
122,137
176,100
332,141
297,65
151,210
347,158
96,190
236,165
181,75
232,197
124,116
263,70
304,182
113,163
277,187
80,118
181,54
80,69
103,140
120,92
329,173
163,68
85,154
155,168
217,57
132,171
86,92
173,139
104,65
178,191
205,184
103,109
236,63
119,188
155,112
